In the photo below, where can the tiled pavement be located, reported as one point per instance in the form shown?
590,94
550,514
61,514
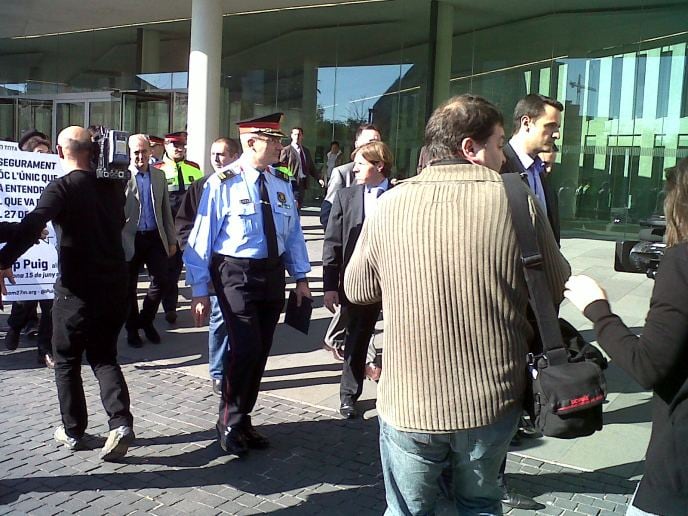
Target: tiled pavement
318,464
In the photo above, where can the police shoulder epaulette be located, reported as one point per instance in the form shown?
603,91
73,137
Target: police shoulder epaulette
225,174
193,164
280,175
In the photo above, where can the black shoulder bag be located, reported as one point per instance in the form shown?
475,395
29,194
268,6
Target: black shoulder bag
568,386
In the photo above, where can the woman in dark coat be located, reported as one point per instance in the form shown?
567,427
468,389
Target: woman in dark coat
658,359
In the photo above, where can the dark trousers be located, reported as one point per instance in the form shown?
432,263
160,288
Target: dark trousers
149,250
359,329
22,313
93,327
174,270
251,297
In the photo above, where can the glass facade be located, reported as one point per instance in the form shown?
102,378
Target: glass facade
622,76
620,69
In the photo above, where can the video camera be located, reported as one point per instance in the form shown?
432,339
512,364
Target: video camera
643,255
110,155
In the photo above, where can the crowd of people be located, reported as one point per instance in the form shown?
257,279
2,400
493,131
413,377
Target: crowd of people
457,326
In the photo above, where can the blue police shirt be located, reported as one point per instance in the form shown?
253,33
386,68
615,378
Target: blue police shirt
230,222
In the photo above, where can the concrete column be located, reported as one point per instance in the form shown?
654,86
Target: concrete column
440,47
203,117
148,51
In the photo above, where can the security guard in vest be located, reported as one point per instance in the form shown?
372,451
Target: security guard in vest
180,173
246,233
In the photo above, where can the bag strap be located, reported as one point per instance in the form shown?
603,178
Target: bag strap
540,298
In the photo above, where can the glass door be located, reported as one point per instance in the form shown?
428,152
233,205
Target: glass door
35,114
146,113
69,113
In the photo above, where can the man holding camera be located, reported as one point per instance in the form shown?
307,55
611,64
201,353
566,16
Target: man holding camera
90,303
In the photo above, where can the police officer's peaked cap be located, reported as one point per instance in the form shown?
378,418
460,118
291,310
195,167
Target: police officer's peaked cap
268,125
28,135
179,136
155,140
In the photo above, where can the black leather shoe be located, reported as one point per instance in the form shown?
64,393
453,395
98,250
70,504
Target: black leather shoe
133,339
151,333
217,387
11,339
171,316
519,501
254,439
232,440
347,410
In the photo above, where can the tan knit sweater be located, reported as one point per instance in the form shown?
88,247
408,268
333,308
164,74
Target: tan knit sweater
441,253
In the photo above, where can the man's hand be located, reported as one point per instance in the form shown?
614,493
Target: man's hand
172,250
322,183
582,290
331,300
200,310
302,290
5,273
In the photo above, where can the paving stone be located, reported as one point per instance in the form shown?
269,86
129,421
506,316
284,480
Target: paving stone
176,467
587,509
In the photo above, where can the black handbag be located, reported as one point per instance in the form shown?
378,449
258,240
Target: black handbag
566,383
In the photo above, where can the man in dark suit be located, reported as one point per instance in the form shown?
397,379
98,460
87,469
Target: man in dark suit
537,120
372,165
300,162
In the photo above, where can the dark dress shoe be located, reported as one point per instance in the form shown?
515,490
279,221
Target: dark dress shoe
347,410
519,501
217,387
254,439
151,333
133,339
171,316
11,339
232,440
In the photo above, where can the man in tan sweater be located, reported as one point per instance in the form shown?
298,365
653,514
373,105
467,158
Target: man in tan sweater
455,303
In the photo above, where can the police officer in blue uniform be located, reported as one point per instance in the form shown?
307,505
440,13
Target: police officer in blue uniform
246,234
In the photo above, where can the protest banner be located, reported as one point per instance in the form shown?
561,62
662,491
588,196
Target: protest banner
23,177
4,145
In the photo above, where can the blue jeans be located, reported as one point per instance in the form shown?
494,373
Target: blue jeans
218,341
412,463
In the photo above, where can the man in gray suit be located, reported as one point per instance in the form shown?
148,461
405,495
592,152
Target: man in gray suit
148,237
343,177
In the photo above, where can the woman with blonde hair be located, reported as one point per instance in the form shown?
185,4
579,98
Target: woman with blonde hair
658,359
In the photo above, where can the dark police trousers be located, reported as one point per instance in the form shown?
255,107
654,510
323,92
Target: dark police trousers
251,297
148,249
170,294
359,329
93,327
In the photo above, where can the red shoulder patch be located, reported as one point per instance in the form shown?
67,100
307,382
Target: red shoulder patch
193,164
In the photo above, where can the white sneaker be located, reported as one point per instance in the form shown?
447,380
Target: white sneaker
61,437
117,443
